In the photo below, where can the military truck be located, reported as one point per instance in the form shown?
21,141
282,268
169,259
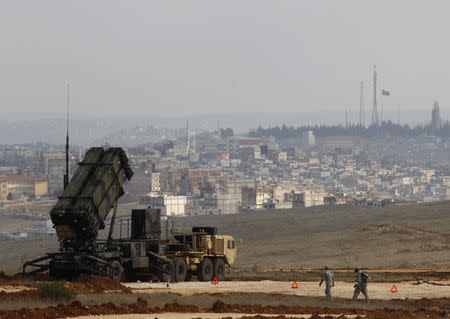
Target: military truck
202,253
81,212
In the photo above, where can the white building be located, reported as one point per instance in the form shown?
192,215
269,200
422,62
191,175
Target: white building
223,203
155,185
170,205
308,138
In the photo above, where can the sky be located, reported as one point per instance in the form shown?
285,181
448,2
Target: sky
180,58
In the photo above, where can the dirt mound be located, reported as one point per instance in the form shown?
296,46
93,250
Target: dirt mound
141,307
221,307
76,309
94,283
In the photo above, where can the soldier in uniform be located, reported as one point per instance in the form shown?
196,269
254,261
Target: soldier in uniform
361,284
328,277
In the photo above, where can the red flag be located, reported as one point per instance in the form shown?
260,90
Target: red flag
383,92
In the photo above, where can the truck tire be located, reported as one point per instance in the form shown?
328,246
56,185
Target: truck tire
116,271
219,269
206,270
180,269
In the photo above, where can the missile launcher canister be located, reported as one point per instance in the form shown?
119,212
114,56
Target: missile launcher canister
88,198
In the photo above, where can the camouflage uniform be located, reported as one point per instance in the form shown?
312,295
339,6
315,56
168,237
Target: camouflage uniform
361,286
328,277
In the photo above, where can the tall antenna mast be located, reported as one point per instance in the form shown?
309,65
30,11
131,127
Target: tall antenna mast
66,176
362,121
375,121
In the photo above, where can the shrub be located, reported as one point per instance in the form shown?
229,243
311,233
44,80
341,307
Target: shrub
256,268
54,291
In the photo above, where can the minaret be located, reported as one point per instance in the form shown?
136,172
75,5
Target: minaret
435,117
218,127
375,120
362,121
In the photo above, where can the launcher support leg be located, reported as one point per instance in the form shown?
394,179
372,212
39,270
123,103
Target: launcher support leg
113,220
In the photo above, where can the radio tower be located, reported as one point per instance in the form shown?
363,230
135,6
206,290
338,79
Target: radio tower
375,120
362,121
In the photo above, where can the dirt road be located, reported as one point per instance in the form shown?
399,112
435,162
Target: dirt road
342,290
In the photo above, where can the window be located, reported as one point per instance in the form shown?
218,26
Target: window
229,244
232,244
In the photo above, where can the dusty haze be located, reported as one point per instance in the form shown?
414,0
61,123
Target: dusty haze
181,57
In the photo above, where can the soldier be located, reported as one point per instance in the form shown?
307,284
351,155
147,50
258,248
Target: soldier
328,277
362,279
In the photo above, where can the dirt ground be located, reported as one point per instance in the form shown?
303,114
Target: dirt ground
381,291
98,296
202,315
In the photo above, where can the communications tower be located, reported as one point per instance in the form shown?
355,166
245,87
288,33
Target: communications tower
375,121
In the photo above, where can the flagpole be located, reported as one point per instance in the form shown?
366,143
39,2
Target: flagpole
381,113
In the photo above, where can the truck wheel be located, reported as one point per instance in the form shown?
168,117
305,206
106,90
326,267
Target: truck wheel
219,269
116,271
180,269
205,270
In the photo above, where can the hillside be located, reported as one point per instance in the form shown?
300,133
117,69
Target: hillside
406,236
416,236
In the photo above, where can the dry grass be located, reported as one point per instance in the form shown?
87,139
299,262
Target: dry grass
416,236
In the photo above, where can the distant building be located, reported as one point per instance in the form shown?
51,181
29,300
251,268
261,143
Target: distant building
308,199
308,138
234,144
255,197
341,144
53,166
17,186
435,117
155,184
170,205
9,170
222,203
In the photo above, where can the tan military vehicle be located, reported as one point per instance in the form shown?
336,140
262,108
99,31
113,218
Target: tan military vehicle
202,253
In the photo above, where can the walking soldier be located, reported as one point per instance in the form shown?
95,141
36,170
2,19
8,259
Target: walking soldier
362,279
328,277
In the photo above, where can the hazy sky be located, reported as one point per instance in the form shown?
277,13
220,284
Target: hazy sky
181,57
